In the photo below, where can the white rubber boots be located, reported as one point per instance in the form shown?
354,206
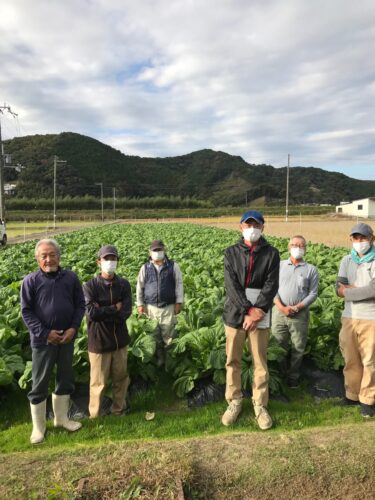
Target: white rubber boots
60,405
38,416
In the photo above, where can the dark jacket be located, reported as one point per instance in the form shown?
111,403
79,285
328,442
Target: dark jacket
264,275
51,302
106,327
159,287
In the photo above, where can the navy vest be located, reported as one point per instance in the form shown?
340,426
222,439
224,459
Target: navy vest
160,288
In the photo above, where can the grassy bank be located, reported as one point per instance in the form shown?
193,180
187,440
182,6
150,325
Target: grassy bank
314,444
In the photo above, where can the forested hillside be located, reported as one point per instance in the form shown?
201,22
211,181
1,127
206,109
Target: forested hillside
211,175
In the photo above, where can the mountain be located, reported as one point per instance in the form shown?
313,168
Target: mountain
212,175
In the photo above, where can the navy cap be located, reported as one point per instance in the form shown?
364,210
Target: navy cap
252,214
107,250
363,229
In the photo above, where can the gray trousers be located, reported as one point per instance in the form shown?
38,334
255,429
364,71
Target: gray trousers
291,334
44,358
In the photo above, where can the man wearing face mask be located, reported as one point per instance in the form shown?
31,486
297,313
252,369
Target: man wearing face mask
251,276
298,289
356,284
108,306
160,294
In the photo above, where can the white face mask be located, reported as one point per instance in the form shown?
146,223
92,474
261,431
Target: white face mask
159,255
297,253
251,234
361,247
108,266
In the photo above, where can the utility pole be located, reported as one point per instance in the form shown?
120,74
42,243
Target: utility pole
55,162
287,190
2,201
101,197
114,203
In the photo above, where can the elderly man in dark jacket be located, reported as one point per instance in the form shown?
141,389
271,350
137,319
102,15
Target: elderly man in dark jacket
108,306
251,276
52,306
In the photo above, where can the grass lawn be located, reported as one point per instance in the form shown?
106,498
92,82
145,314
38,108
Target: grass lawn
167,454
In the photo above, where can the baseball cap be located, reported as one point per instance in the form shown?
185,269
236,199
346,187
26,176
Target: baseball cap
252,214
107,250
363,229
156,244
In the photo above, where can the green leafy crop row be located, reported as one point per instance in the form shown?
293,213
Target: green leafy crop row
199,348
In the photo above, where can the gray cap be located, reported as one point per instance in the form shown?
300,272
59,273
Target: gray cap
107,250
363,229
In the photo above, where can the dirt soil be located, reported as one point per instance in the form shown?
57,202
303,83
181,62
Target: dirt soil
333,463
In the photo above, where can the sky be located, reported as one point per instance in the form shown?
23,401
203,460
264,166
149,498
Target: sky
259,79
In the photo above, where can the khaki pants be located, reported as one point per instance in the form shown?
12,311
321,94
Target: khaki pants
102,366
258,344
357,344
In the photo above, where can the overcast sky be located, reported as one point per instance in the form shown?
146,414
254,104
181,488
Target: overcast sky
254,78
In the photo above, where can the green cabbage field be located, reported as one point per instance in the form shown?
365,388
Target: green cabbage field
198,350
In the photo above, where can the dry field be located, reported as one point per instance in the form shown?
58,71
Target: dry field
330,230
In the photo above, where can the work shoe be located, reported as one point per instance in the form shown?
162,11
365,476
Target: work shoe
367,411
231,413
348,402
262,417
38,416
293,383
60,405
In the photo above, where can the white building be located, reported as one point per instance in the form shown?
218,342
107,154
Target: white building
358,208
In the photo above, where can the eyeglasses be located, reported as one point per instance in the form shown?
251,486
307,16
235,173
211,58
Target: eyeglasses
293,245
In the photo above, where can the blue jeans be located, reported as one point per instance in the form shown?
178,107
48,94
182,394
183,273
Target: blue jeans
44,358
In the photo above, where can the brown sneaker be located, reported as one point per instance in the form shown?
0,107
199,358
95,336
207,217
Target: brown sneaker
262,417
232,412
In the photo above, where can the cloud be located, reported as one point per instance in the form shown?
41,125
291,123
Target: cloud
258,79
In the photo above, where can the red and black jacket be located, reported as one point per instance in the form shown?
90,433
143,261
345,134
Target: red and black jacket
245,267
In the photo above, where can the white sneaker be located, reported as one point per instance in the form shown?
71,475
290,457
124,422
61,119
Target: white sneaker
262,416
231,413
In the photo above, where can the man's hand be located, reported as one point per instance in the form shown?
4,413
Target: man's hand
341,290
141,309
289,310
248,323
68,335
177,308
55,337
118,306
256,314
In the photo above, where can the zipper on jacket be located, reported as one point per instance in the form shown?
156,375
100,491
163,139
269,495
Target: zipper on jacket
114,324
251,263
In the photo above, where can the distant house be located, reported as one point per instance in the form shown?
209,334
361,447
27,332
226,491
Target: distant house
9,189
358,208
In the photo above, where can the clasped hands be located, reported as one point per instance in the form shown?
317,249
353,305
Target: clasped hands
57,337
251,319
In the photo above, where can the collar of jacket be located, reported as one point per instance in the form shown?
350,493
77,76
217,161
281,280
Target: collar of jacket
262,242
52,276
107,282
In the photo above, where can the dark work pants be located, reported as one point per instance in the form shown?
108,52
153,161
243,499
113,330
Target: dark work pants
44,359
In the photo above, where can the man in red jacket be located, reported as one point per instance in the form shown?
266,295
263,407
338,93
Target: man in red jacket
108,306
251,276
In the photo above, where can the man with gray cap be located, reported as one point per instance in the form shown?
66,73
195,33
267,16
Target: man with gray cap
251,278
160,294
356,284
108,306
